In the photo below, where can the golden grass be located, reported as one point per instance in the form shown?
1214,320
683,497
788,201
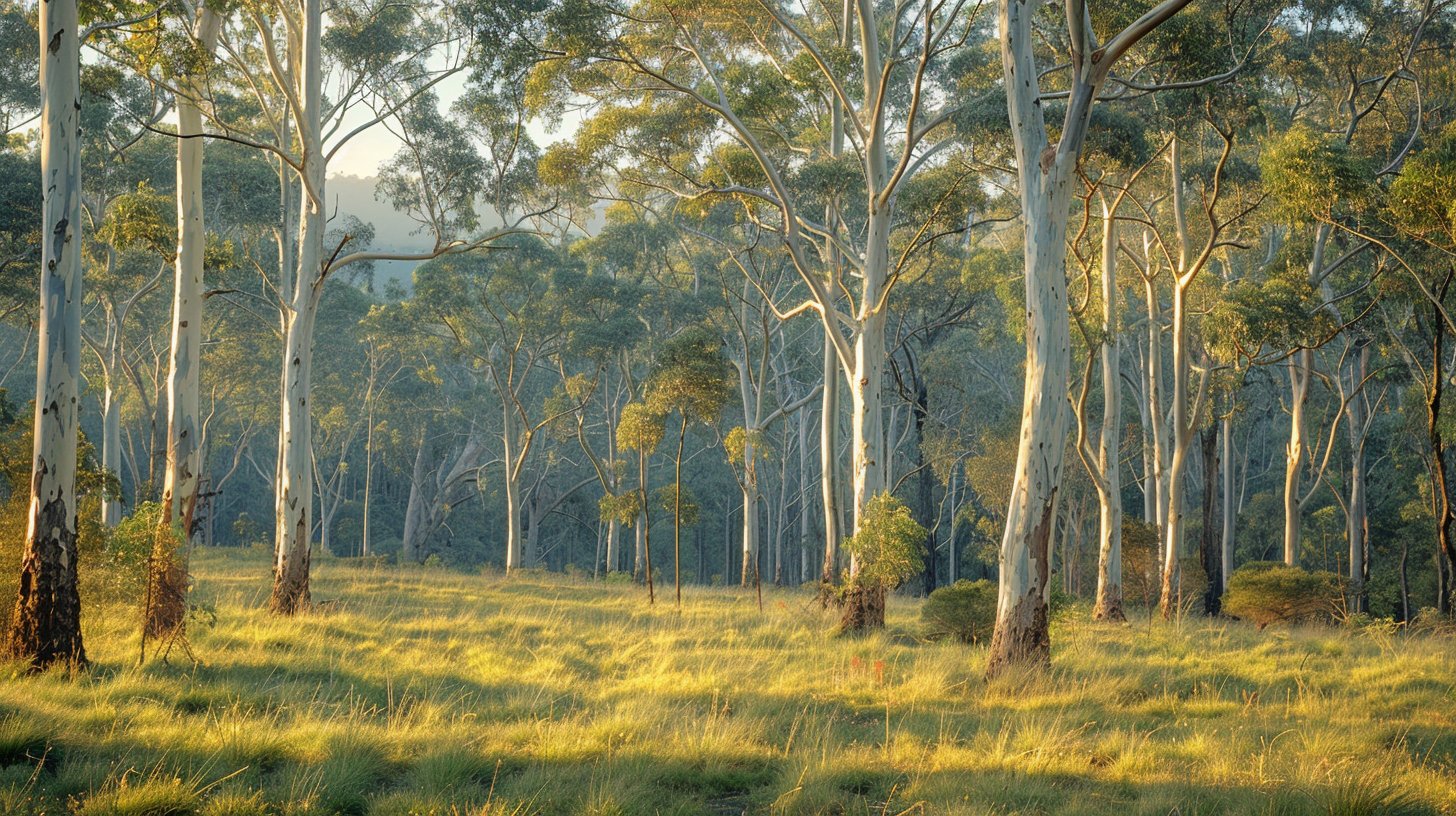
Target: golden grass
419,691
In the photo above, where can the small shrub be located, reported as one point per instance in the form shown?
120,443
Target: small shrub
619,577
1266,592
1432,621
965,610
887,547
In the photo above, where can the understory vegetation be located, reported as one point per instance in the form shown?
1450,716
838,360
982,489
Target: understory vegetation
419,690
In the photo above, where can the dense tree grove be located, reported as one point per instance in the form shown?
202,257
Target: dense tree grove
1099,299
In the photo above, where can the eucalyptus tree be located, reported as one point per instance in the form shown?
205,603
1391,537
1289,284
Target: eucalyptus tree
1082,69
707,102
512,313
46,625
1352,112
380,61
692,377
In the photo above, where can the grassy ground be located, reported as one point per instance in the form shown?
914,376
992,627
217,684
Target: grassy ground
423,691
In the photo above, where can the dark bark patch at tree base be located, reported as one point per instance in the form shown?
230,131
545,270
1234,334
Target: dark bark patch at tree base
1022,638
46,626
863,609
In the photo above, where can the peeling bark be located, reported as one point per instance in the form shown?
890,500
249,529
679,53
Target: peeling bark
46,625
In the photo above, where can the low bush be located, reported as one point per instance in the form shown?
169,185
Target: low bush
965,610
1265,592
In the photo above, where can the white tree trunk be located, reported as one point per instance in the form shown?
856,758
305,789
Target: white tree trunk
294,507
47,622
1301,366
1109,481
184,425
111,446
1182,439
1357,519
828,458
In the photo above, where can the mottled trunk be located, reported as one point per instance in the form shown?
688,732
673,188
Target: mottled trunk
1045,174
46,626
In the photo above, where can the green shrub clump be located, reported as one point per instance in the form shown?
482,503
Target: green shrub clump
965,610
1266,592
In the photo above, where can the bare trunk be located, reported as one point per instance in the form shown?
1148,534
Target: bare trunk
295,483
1182,441
46,626
111,448
1301,365
828,460
1109,478
167,597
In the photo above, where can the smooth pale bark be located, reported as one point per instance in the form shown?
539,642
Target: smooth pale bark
111,448
167,595
512,457
1108,476
1301,367
1156,417
829,461
805,526
46,626
1046,174
294,491
364,544
1183,412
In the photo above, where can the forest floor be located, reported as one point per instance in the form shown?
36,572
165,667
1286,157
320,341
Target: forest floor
423,691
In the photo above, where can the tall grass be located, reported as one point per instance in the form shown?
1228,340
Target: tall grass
419,691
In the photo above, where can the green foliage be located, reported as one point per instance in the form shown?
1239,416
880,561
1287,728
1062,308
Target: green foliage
640,428
1311,177
888,543
142,219
965,610
1422,199
665,498
691,376
131,545
1266,592
623,508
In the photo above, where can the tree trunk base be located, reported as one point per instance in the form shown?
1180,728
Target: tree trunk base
1021,638
863,609
46,626
1109,611
166,611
